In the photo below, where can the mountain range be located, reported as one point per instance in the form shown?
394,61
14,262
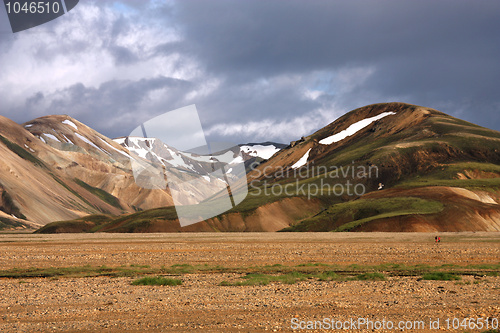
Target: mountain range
382,167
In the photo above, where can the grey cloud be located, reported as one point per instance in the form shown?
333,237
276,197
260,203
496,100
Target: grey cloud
114,108
440,54
273,36
35,100
123,55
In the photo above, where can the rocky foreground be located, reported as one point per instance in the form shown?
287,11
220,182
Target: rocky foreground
112,304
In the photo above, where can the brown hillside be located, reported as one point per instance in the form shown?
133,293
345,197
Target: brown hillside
464,210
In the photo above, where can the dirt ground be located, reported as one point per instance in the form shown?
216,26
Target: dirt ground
104,304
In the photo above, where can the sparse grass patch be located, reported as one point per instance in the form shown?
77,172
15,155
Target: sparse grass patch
101,194
441,276
156,281
137,221
262,275
361,211
24,154
258,279
311,264
328,276
77,271
375,276
9,224
85,224
181,269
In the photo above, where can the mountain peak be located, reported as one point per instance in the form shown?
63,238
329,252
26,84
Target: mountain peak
403,115
54,121
377,133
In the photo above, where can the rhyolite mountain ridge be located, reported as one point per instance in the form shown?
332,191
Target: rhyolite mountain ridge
57,168
431,172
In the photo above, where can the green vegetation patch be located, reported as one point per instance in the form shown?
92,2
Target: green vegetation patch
263,275
441,276
101,194
9,207
84,224
22,152
156,281
259,279
447,175
63,184
138,221
6,223
76,271
372,276
329,276
349,215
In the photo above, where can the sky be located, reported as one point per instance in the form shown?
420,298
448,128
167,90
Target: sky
256,70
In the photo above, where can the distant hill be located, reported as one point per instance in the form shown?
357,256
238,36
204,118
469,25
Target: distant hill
438,173
382,167
57,168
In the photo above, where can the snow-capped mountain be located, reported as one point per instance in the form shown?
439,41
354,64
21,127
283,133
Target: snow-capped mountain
263,150
155,151
56,168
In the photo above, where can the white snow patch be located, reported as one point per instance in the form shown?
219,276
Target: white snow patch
134,145
206,178
140,152
66,138
351,130
110,146
84,139
41,138
302,161
201,158
26,146
70,123
177,160
50,136
227,157
264,152
221,180
238,159
28,126
120,141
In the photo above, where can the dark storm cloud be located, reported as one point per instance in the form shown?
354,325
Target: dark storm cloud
123,55
259,36
114,108
433,53
290,67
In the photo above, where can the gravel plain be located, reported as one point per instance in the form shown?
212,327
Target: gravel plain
112,304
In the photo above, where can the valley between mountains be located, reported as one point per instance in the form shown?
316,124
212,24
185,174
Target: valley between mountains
391,167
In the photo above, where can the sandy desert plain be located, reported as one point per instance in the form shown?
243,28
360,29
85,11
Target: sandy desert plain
250,282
